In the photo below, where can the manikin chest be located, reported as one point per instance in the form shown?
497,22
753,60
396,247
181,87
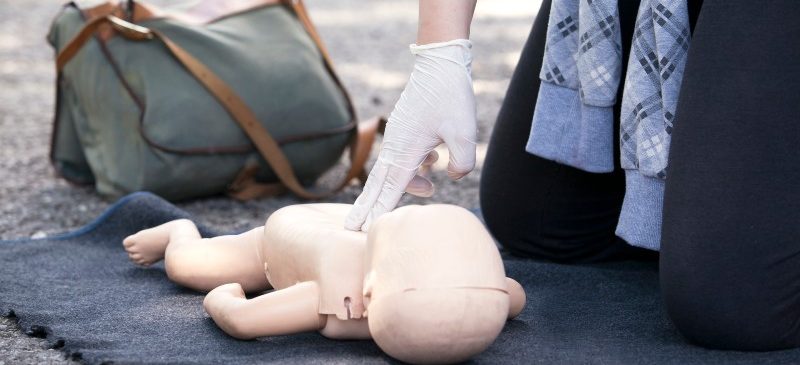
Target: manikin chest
311,245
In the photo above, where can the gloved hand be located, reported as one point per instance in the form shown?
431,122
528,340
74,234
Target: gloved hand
437,106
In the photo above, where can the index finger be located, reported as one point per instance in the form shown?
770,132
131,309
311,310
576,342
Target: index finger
363,204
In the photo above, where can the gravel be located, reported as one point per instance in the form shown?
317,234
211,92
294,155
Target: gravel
368,42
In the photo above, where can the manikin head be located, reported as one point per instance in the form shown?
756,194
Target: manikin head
435,289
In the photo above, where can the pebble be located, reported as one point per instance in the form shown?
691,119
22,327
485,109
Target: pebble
39,234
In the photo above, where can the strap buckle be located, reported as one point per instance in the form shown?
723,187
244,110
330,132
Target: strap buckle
129,30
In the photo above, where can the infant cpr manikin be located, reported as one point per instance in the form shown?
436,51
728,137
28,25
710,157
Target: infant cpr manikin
426,283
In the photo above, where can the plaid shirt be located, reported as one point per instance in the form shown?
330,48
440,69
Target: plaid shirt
583,53
581,72
653,81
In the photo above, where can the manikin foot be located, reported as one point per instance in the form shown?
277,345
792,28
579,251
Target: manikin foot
148,246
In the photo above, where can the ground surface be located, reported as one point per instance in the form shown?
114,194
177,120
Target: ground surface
368,42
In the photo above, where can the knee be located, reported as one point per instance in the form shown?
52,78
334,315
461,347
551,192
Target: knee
497,212
176,267
720,308
536,224
510,224
554,235
184,267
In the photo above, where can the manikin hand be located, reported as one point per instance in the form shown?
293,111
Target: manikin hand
220,301
437,106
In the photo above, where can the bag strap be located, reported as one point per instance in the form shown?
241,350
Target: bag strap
245,186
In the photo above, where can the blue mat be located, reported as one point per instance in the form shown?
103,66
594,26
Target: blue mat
80,292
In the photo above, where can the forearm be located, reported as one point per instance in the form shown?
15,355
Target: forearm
281,312
437,106
444,20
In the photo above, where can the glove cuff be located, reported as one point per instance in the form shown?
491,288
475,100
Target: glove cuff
457,50
416,48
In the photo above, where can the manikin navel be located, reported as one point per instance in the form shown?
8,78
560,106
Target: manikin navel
426,283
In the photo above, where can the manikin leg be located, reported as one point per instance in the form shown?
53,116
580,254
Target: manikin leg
230,266
200,263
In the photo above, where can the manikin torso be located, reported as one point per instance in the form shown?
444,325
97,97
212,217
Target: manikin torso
308,244
417,248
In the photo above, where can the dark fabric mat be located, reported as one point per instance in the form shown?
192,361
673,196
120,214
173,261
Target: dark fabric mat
80,291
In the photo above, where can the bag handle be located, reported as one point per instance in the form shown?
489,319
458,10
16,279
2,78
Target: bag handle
244,187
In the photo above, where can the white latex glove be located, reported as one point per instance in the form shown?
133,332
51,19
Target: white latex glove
437,106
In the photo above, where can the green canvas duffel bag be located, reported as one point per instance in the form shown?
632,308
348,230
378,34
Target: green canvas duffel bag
233,96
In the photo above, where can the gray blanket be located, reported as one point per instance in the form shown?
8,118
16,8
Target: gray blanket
80,292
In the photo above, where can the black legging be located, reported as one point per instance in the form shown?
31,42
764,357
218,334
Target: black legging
730,249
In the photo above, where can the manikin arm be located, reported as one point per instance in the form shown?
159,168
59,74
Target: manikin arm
516,298
281,312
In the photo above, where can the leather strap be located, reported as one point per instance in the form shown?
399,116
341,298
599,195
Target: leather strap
128,30
245,186
300,10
